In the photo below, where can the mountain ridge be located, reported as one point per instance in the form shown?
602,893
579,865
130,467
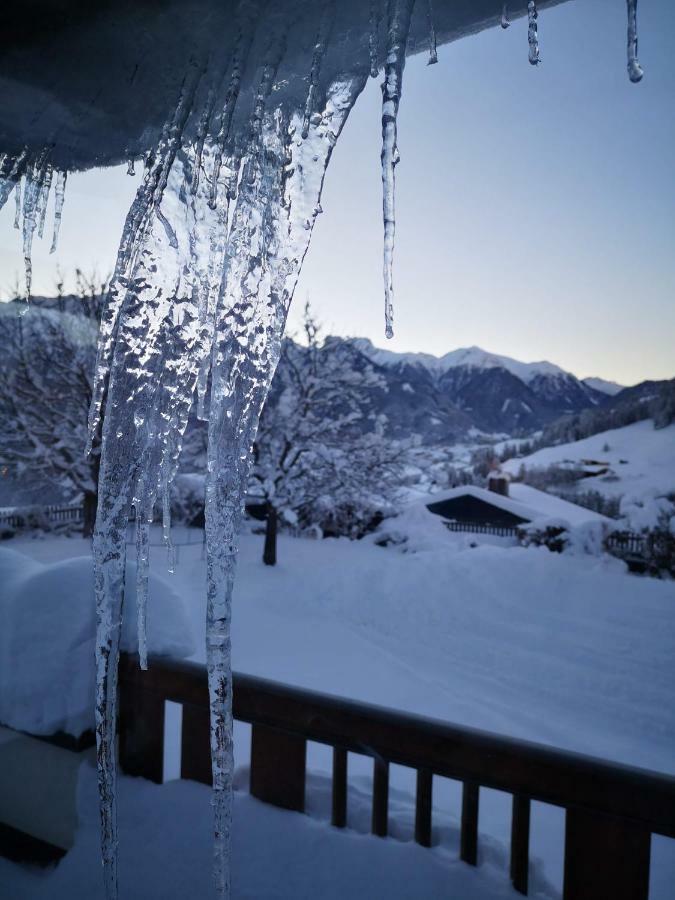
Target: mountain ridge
441,398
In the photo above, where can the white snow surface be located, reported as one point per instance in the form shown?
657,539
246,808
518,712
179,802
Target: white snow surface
474,357
641,459
166,850
47,632
566,650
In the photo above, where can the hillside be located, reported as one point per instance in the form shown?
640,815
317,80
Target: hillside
636,463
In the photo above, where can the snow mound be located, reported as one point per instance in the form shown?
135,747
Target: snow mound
47,638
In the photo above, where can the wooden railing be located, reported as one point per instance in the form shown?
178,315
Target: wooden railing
611,810
31,516
483,528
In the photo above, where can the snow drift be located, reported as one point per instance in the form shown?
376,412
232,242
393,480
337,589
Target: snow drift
47,640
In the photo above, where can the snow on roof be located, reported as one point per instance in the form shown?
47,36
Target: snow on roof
524,501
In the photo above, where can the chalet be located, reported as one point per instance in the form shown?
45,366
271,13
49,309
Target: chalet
504,504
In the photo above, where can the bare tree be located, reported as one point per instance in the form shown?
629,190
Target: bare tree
322,456
46,371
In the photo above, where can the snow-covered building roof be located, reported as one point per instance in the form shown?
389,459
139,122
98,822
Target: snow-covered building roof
524,503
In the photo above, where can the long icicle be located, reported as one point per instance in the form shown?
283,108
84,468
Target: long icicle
532,33
373,42
635,72
398,27
247,15
142,565
43,201
317,56
17,200
433,53
59,198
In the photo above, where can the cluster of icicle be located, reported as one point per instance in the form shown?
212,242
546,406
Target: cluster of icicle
31,178
209,258
207,265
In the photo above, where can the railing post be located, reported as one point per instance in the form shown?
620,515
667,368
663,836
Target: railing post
605,857
423,807
278,761
195,744
380,797
141,728
520,843
469,834
339,814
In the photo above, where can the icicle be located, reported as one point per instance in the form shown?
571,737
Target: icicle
239,58
532,35
129,380
317,56
43,200
142,566
59,198
433,55
139,218
11,170
373,43
131,167
17,200
31,206
398,26
166,525
635,72
505,17
221,293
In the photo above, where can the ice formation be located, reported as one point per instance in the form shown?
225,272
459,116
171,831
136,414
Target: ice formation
208,261
635,72
532,33
30,216
433,52
505,21
398,27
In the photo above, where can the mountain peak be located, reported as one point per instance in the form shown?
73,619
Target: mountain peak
472,357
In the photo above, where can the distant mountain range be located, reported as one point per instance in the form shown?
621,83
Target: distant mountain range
441,398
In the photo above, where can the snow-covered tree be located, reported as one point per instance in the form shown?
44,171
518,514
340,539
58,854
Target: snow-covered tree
321,457
46,370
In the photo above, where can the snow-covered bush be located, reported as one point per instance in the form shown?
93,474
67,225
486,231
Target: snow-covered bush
550,533
647,511
47,637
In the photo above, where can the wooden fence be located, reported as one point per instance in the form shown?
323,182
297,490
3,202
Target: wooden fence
611,810
33,516
483,528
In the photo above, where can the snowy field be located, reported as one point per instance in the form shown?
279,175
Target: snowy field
565,650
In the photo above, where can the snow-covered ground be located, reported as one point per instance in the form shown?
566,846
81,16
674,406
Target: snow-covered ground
641,459
565,650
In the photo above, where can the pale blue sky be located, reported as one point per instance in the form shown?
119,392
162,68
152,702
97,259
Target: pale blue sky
535,207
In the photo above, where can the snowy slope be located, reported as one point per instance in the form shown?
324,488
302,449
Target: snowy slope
641,459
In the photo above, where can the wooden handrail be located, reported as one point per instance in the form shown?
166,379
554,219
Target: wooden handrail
615,808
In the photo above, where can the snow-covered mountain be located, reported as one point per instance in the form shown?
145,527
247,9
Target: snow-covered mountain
439,397
611,388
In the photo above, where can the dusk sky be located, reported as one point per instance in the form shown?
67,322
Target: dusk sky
535,207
